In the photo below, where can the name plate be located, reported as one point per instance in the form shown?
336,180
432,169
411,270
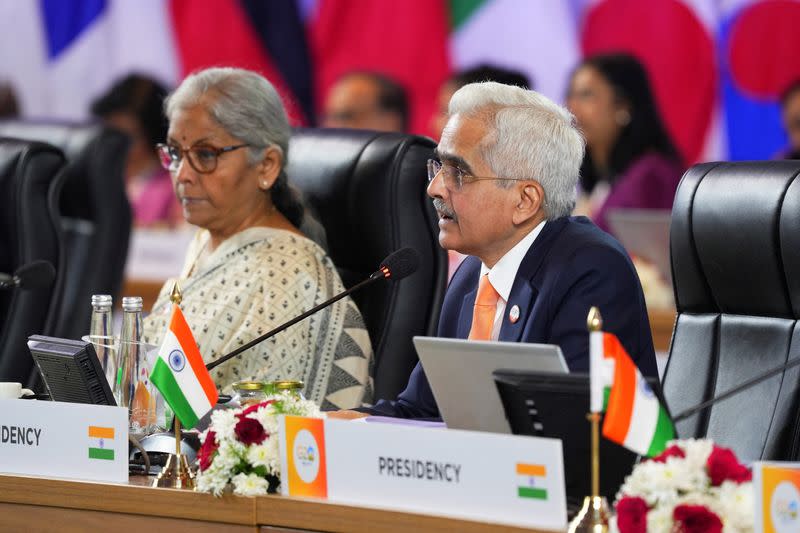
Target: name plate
69,440
777,497
506,479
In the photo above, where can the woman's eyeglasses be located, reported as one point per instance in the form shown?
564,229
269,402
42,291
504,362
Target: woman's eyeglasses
202,158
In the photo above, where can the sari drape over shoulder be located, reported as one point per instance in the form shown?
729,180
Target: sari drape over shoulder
255,281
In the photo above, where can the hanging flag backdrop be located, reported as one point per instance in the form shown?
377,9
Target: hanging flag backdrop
717,68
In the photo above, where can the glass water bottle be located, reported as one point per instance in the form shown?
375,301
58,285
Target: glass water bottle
101,335
135,389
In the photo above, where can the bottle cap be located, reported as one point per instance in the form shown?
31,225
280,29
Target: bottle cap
132,303
248,385
101,300
287,385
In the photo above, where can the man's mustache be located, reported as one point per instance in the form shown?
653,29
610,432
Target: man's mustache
444,209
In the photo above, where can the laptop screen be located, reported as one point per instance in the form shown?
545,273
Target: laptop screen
460,374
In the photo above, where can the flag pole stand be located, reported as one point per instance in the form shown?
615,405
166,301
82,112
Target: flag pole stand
593,516
176,473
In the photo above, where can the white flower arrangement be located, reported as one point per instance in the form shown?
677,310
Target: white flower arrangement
241,447
692,486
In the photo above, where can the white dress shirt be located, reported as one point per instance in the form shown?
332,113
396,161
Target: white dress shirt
503,273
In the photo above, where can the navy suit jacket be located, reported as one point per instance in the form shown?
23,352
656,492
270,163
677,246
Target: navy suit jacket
571,266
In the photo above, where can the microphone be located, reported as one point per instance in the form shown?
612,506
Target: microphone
737,389
35,275
395,267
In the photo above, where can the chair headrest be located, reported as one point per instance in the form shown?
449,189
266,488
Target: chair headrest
735,239
71,138
95,162
353,176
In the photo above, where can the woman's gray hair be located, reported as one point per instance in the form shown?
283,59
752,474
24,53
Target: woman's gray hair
249,108
531,137
244,103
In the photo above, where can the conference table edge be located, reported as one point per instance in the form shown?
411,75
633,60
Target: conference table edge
126,498
323,515
272,510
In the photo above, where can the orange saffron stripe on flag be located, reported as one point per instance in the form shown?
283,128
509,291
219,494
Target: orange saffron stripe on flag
181,330
98,432
623,391
531,470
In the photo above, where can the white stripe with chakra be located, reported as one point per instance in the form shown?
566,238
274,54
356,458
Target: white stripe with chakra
186,379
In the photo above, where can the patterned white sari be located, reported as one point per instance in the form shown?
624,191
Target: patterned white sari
252,283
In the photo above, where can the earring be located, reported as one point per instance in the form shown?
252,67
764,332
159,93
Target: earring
622,117
264,185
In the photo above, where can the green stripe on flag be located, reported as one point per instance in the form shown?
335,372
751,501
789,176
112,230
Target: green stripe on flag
663,433
461,10
101,453
606,394
531,492
165,382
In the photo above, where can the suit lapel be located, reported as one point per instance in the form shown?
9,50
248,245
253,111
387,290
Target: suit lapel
523,296
465,317
523,291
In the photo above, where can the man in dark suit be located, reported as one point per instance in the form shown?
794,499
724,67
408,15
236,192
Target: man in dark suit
504,186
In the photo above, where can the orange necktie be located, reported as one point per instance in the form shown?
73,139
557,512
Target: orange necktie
484,311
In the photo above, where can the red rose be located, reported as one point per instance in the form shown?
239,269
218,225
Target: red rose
672,451
695,519
207,450
722,464
250,431
632,515
254,408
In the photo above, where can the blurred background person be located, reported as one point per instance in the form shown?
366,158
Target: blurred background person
9,107
368,101
134,106
790,116
249,268
483,72
438,120
630,161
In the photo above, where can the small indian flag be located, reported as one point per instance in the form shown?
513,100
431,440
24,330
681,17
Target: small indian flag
101,443
530,478
634,417
181,375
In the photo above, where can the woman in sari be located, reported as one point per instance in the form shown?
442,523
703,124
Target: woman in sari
249,268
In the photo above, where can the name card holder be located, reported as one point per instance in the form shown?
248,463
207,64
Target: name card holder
67,440
505,479
777,497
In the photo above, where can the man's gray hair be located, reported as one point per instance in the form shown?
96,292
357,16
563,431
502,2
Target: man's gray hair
244,103
531,137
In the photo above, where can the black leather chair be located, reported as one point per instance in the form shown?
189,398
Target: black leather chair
368,190
95,214
735,251
29,187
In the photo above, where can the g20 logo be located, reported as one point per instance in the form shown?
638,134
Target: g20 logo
305,451
784,508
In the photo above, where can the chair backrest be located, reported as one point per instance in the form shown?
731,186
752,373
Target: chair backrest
29,187
735,253
95,214
368,190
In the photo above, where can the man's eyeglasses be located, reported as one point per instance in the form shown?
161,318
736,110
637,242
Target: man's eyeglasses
202,157
453,177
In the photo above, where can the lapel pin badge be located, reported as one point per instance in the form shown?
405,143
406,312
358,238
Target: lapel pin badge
513,315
